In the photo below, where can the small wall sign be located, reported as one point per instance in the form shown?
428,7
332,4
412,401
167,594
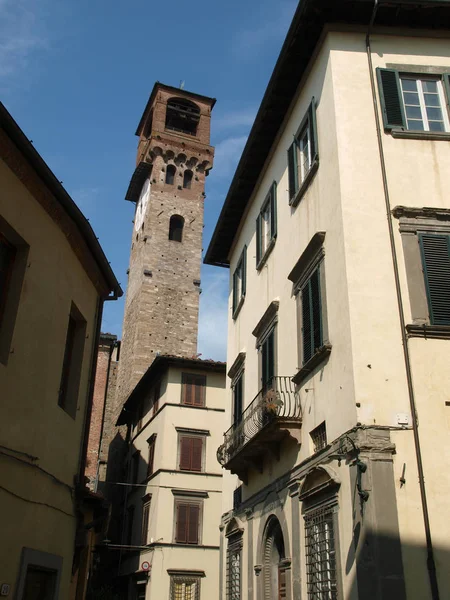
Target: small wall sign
4,590
145,566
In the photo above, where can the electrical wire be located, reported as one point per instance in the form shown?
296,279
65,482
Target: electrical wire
72,516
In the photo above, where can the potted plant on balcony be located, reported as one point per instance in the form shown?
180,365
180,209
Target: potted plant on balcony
271,403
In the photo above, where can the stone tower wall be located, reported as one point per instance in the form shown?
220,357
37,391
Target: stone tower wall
161,310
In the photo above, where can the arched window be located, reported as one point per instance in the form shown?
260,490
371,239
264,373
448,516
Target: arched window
182,115
274,573
187,179
170,174
176,228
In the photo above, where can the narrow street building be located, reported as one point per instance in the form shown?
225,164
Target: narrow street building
336,231
54,279
161,472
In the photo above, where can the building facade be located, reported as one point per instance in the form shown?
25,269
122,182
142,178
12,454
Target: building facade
170,546
54,279
338,244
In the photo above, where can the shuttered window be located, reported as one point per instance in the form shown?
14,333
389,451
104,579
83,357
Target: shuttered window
7,255
268,359
187,522
266,226
151,454
239,281
145,521
414,102
193,389
72,362
156,395
191,453
312,338
303,153
435,250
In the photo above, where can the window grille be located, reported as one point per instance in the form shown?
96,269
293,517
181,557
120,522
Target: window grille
319,437
320,555
185,588
234,561
237,497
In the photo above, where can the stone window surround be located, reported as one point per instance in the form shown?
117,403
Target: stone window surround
37,558
413,220
186,432
267,325
188,498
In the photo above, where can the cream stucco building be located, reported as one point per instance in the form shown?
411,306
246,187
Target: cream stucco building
336,230
54,279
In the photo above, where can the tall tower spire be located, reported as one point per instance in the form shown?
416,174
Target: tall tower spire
173,159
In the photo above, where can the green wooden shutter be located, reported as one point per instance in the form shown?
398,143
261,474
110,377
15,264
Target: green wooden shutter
292,170
316,310
313,131
234,291
306,322
258,239
447,87
273,210
244,271
311,316
435,251
391,98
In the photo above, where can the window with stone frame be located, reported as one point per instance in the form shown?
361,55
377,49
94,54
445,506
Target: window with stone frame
191,452
193,389
184,587
151,454
188,521
146,504
234,563
266,227
239,282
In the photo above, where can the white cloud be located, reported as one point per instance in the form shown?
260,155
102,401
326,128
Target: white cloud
212,334
248,43
21,35
234,120
227,155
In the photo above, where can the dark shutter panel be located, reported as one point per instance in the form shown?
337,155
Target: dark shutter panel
197,447
292,170
151,456
273,210
188,391
182,523
185,453
391,98
316,310
193,524
436,262
258,239
145,517
244,271
234,291
270,357
447,87
306,321
313,130
199,390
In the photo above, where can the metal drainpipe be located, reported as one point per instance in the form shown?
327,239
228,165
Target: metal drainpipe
431,566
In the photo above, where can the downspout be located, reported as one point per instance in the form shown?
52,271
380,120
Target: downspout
431,566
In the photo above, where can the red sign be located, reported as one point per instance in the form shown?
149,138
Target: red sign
145,566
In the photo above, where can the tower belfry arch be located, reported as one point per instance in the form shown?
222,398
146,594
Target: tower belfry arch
173,159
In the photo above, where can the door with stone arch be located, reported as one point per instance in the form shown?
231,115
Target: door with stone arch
274,569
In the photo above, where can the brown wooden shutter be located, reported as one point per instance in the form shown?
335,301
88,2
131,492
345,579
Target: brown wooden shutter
188,390
145,518
151,456
193,524
182,523
196,456
199,390
185,453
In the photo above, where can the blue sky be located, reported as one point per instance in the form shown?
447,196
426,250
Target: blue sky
76,75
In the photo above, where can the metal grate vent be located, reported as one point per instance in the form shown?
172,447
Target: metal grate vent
319,437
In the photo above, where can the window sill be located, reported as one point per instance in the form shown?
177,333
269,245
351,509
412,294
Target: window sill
436,332
237,310
266,254
318,358
420,135
305,184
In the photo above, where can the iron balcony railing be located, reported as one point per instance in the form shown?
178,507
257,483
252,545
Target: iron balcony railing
276,401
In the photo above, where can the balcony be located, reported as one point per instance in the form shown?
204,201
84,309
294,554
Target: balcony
273,415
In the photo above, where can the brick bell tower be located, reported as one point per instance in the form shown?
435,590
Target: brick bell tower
162,301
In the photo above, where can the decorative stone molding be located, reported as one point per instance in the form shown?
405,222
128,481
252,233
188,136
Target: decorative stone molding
257,569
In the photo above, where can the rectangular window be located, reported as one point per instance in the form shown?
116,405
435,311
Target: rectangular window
239,282
266,226
184,588
312,337
155,397
414,102
435,253
267,353
72,363
7,257
39,584
320,555
187,522
193,388
319,437
191,453
151,454
145,521
234,567
303,154
237,388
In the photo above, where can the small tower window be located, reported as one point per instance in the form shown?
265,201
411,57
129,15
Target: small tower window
170,174
187,179
176,228
182,115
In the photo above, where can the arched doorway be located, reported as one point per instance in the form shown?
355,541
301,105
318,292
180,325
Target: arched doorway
274,570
